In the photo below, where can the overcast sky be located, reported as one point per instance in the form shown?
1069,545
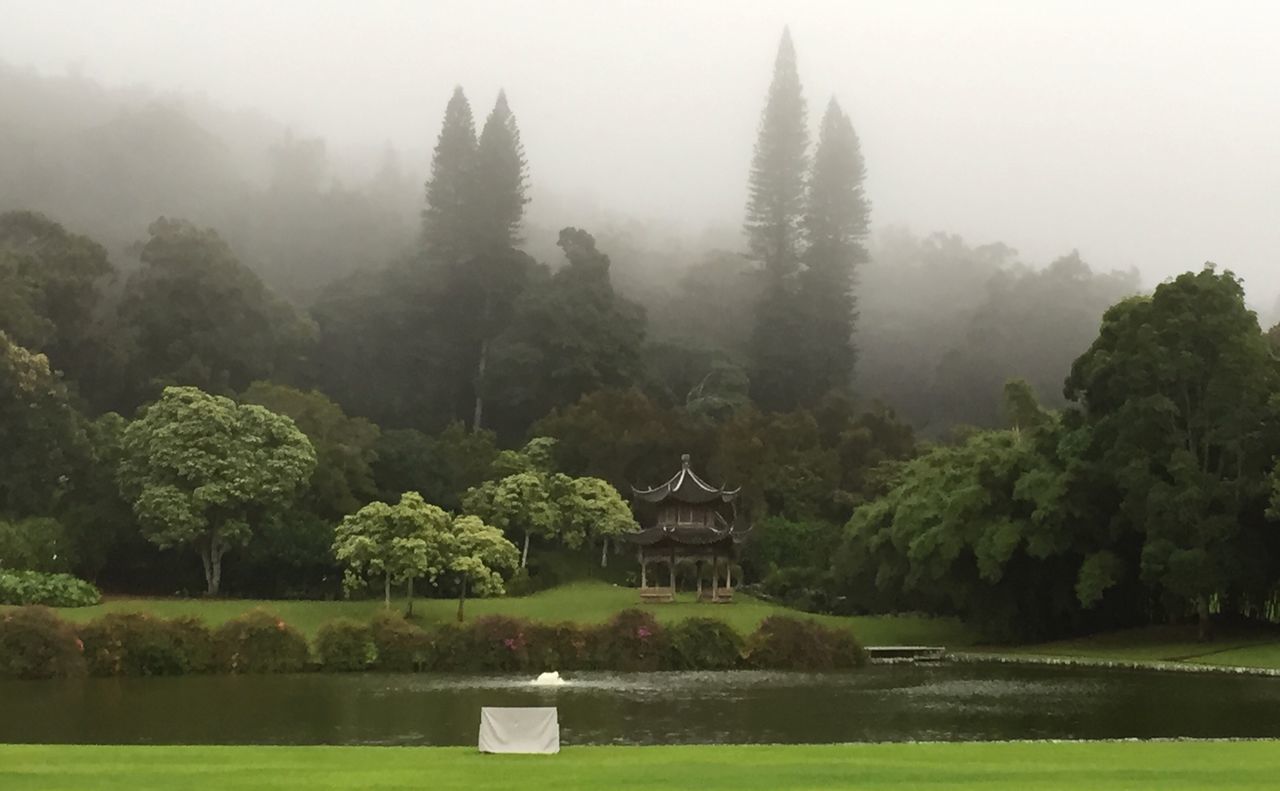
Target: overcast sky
1144,134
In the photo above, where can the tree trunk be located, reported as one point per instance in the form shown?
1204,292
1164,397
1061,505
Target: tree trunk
524,556
604,552
478,416
409,612
211,558
386,591
1206,626
462,597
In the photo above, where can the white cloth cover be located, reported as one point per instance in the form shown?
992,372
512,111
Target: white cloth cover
519,730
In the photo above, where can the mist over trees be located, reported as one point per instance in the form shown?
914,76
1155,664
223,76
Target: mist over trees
916,421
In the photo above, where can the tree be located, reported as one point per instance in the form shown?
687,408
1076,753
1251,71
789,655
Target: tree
204,471
592,508
835,226
345,447
50,288
200,318
446,223
1177,390
500,179
570,335
521,504
398,543
775,212
776,195
476,555
441,467
43,438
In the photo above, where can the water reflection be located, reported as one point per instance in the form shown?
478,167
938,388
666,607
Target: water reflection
875,704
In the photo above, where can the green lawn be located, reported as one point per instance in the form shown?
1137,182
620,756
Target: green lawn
584,602
1027,766
1255,647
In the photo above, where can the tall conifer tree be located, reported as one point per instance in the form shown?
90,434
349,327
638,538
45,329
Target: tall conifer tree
446,222
500,180
835,228
775,210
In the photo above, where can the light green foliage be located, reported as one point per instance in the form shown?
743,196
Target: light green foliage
202,470
533,502
397,543
35,544
476,555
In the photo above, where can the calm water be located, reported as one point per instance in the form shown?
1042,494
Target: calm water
875,704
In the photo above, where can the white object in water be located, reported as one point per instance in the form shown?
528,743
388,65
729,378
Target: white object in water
549,679
519,730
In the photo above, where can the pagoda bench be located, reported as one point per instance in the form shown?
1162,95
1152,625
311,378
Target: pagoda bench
657,595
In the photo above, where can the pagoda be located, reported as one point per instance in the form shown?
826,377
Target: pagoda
686,518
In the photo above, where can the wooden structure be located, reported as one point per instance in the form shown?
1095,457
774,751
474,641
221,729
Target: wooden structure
686,519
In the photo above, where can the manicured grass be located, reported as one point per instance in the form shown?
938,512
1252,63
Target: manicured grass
1256,647
1099,766
584,602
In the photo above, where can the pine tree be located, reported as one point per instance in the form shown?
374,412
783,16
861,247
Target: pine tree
775,209
835,227
500,180
446,222
775,204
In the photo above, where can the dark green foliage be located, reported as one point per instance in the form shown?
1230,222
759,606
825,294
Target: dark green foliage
703,644
35,643
440,467
494,643
138,644
259,642
500,176
559,646
400,646
632,640
346,645
446,227
50,590
785,643
199,317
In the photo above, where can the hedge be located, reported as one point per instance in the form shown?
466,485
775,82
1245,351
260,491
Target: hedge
35,643
49,590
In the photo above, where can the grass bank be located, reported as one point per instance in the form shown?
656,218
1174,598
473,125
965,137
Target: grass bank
1098,766
1257,647
584,602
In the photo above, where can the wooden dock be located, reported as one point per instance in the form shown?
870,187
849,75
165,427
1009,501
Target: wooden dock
895,654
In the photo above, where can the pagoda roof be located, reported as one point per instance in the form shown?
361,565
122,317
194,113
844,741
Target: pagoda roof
686,487
686,535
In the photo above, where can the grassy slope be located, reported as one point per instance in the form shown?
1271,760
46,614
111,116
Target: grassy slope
991,767
1242,648
585,602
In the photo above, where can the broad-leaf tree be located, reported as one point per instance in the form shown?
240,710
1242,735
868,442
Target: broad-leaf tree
475,556
205,472
397,543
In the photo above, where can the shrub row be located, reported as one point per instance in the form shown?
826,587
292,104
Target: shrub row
35,643
50,590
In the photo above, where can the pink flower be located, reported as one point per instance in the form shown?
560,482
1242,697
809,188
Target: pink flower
79,644
642,633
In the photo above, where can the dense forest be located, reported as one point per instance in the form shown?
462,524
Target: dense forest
916,422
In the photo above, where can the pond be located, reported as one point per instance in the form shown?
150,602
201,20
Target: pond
882,703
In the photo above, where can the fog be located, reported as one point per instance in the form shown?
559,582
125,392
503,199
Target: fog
1145,135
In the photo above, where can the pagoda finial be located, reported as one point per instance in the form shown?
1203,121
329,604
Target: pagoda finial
684,460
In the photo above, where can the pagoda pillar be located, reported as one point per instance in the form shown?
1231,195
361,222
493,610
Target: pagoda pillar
715,577
673,572
644,582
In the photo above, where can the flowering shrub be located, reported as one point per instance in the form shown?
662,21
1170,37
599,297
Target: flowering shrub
631,641
259,642
35,643
345,645
138,644
50,590
559,646
785,643
703,644
399,645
